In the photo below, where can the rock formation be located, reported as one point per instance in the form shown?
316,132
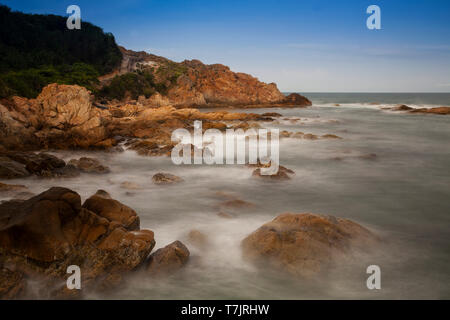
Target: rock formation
168,260
42,236
305,244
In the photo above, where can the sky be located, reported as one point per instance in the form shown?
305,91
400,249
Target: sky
301,45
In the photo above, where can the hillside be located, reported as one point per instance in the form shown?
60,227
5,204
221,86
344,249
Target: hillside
142,76
36,50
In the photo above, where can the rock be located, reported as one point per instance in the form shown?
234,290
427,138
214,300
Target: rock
237,204
42,236
168,260
310,136
10,169
9,189
305,244
368,156
89,165
272,114
283,173
330,136
438,110
216,84
157,100
12,284
64,105
198,238
296,99
69,171
112,210
225,215
166,178
130,185
402,107
41,164
103,194
23,195
285,134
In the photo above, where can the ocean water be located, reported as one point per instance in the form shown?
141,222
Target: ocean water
402,194
422,100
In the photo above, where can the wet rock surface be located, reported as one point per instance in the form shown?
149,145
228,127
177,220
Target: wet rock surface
42,236
89,165
305,244
167,260
166,178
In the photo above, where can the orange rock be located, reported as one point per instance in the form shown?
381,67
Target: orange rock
438,110
42,236
113,210
168,260
198,238
305,244
166,178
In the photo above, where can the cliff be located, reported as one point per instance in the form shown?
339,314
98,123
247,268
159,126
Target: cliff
188,83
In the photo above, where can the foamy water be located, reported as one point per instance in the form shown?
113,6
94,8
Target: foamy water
402,194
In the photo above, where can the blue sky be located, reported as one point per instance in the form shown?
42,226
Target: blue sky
305,46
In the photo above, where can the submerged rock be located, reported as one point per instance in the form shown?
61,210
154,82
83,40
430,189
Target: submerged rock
168,260
305,244
198,238
10,169
166,178
89,165
10,189
272,114
237,204
130,185
283,173
330,136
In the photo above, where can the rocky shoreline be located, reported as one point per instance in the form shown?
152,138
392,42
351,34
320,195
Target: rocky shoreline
44,235
66,117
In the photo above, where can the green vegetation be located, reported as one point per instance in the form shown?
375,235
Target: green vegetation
144,82
29,83
133,85
171,71
36,50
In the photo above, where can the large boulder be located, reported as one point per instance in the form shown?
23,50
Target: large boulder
168,260
112,210
67,113
65,106
305,244
42,236
296,99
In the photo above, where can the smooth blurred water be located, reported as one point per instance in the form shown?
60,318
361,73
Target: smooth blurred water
361,98
403,195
